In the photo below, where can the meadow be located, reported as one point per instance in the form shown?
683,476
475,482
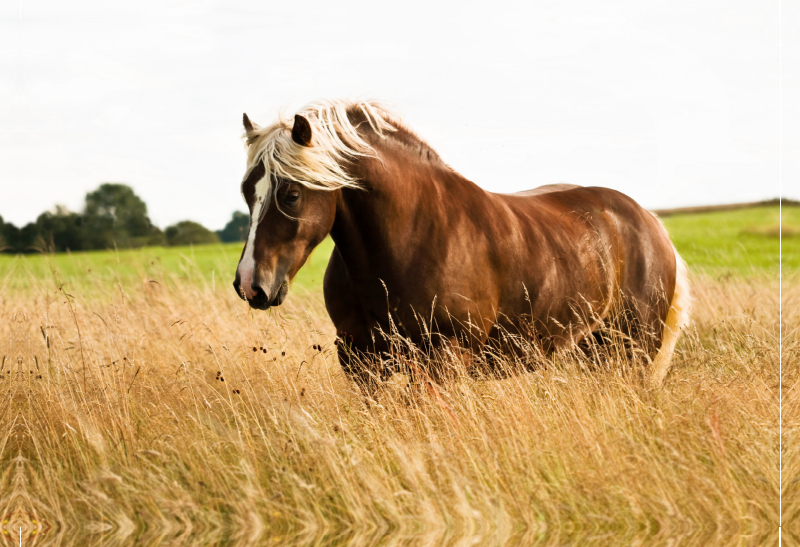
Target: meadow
142,402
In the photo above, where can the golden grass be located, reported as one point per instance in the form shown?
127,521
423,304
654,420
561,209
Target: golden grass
116,430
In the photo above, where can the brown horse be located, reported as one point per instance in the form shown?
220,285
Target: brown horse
413,239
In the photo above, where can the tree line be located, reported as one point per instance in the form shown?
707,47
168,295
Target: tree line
113,216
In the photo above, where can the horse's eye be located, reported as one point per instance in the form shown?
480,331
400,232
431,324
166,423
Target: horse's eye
291,197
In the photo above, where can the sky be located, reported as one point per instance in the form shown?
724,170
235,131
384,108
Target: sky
673,103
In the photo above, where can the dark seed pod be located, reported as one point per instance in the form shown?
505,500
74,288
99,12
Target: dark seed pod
283,354
254,349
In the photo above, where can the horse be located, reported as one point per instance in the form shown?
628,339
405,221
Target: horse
414,238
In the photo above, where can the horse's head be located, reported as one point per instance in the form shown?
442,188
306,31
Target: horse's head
289,213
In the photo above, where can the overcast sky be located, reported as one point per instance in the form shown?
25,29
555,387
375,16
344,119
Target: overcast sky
674,103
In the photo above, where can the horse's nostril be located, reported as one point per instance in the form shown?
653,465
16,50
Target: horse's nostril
258,299
258,293
237,286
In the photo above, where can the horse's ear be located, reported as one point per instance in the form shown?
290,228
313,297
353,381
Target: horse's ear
301,131
248,125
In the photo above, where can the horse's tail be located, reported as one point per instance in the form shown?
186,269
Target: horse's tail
677,319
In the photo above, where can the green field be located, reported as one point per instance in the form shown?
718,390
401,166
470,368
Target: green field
212,265
741,243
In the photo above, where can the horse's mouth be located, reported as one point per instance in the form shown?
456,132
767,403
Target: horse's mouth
261,302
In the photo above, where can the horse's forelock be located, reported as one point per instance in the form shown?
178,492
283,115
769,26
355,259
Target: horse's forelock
334,141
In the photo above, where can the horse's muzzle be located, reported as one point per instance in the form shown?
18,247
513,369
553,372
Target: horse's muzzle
260,301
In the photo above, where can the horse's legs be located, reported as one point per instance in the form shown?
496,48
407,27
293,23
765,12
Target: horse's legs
365,368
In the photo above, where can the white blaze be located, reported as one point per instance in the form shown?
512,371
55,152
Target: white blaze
247,264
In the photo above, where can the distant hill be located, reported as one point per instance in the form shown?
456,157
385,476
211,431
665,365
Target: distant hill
727,207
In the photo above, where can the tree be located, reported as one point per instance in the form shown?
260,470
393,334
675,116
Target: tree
5,244
61,230
187,232
56,230
99,233
236,228
21,240
113,216
127,213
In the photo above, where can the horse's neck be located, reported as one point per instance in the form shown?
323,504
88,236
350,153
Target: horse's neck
408,194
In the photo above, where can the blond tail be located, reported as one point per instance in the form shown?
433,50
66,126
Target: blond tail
677,319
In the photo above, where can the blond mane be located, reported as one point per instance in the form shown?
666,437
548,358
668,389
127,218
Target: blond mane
334,141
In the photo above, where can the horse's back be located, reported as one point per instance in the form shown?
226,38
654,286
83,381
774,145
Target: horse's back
604,244
636,239
546,189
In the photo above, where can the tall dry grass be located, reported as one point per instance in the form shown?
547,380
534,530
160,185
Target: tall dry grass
118,427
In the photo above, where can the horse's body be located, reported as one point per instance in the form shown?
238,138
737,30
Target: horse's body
420,246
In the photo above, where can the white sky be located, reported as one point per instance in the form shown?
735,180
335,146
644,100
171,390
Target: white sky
674,103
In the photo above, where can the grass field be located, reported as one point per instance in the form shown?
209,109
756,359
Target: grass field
739,242
144,403
208,266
